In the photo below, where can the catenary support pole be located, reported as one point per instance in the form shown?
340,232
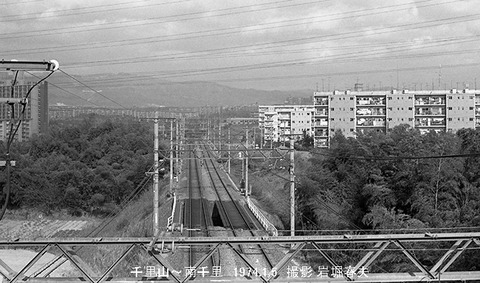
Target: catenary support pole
229,156
292,189
155,176
171,155
247,189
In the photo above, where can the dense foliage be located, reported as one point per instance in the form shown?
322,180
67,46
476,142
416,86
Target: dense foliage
359,183
86,164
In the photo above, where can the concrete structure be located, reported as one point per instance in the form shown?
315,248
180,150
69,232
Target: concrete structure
357,111
281,122
253,122
35,118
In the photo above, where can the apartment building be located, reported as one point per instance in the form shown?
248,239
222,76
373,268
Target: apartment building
282,122
357,111
35,119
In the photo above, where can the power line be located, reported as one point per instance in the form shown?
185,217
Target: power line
66,91
34,16
94,90
351,34
132,23
215,32
395,158
20,2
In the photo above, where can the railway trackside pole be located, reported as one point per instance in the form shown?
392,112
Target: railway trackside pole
177,142
292,188
247,190
171,155
155,176
228,160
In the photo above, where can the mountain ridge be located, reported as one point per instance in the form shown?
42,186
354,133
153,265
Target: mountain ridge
126,90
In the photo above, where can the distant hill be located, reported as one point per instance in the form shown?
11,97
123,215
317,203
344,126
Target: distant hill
140,91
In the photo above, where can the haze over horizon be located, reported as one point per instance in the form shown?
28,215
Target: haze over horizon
265,45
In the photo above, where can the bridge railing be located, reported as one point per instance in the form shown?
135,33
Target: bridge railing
428,257
267,225
170,218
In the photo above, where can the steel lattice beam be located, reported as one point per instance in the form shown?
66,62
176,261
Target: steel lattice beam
321,244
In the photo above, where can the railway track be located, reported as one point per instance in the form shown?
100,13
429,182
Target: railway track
235,217
196,215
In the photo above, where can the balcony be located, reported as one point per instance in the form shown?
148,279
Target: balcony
321,133
430,100
321,101
371,122
370,111
371,101
430,111
477,100
321,113
430,122
321,123
321,142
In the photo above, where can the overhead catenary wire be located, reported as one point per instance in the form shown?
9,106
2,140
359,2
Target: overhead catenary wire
55,13
395,158
225,31
284,63
66,91
144,21
94,90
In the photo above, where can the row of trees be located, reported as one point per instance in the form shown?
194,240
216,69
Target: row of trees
86,164
394,181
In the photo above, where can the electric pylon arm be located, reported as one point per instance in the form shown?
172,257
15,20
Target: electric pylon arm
18,65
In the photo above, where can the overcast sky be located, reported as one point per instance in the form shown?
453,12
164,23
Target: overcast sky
262,44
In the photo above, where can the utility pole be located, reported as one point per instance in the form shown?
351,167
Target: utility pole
292,189
155,176
171,155
247,190
219,138
229,156
177,169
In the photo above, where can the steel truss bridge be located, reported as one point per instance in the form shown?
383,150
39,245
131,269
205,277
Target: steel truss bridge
364,252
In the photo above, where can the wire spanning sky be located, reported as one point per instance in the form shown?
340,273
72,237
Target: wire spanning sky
262,44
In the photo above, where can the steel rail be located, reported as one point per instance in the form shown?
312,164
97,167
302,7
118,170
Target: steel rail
250,229
194,179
